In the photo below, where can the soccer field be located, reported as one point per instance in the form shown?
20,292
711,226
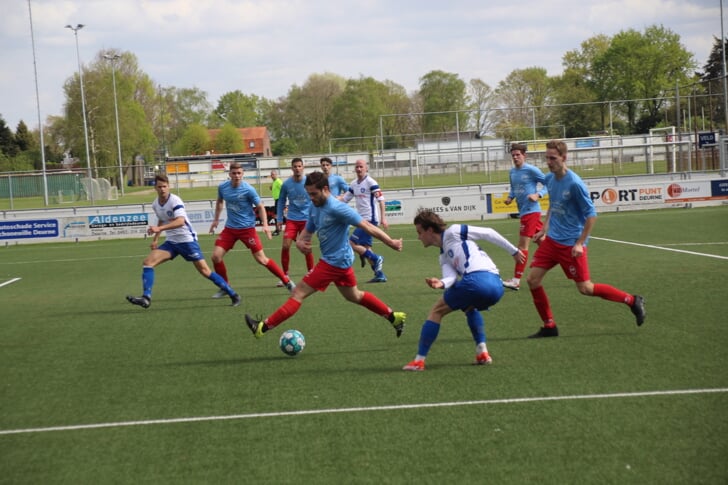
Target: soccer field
95,390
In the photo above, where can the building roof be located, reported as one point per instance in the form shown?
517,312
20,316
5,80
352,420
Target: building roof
250,133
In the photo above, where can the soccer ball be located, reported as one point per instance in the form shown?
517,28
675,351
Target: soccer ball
292,342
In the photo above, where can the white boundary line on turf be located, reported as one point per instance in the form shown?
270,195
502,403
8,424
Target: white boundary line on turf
361,409
9,282
660,247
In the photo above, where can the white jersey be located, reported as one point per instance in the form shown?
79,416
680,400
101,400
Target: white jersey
172,209
367,195
459,255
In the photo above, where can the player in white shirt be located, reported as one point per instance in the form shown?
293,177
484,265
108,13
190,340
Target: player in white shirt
181,239
370,205
469,277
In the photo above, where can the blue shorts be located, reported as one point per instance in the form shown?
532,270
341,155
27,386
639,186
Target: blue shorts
480,289
361,237
190,251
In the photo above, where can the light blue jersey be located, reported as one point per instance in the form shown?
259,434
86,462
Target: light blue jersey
524,182
299,202
239,202
332,221
337,184
569,208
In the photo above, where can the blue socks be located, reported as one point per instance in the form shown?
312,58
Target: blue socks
477,326
147,281
221,283
428,335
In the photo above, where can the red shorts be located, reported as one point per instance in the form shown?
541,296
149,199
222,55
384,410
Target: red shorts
530,224
229,236
550,253
293,229
323,274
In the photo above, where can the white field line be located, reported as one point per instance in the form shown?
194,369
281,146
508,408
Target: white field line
661,247
394,407
9,282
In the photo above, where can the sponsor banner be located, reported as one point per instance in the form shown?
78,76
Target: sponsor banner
688,191
111,225
719,188
497,204
617,196
30,229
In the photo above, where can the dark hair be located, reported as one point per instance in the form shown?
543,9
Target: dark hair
235,165
327,160
317,179
161,177
297,159
557,145
519,146
427,219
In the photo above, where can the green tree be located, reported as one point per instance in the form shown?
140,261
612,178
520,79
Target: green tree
237,108
307,114
8,146
642,69
482,102
525,92
228,140
24,138
194,141
357,113
711,79
576,93
442,93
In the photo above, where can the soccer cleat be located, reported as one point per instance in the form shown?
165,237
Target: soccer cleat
545,332
512,284
483,358
290,286
220,294
638,309
378,278
415,365
142,301
378,264
281,284
235,300
255,326
398,323
363,260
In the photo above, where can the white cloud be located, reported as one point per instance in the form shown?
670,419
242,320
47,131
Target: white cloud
264,47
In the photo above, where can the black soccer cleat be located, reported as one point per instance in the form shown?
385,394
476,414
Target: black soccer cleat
235,299
142,301
546,332
638,309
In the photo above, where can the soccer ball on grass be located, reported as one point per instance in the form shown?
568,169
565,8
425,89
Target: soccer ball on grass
292,342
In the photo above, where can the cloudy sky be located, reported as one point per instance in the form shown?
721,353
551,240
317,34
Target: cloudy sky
264,47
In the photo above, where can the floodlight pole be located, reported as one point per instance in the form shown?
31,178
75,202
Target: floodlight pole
83,109
37,102
116,113
725,73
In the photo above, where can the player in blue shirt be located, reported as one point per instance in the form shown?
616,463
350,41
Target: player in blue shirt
293,195
469,277
563,241
331,218
239,199
525,180
181,240
337,184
